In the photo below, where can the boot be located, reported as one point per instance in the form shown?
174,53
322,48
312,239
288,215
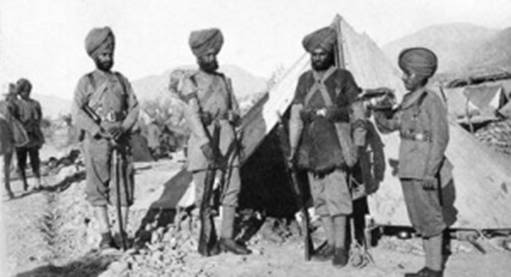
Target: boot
107,241
226,242
340,257
325,253
117,240
229,245
426,272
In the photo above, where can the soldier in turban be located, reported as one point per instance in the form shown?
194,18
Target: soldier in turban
421,120
211,102
29,114
320,138
105,109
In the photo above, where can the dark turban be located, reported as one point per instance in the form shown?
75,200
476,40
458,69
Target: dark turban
99,40
203,41
418,60
323,38
23,85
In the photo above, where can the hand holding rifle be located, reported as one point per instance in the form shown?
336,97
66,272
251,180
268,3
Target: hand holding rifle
300,196
382,98
213,155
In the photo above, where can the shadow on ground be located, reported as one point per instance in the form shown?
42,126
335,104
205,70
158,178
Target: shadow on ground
90,265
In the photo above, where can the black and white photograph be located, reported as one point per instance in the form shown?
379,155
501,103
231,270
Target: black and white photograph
255,138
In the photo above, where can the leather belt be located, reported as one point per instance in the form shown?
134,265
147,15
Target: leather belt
424,136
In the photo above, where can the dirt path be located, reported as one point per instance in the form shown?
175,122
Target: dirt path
52,233
26,242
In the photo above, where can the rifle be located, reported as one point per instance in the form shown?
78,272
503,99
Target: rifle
300,196
91,114
207,236
387,102
115,161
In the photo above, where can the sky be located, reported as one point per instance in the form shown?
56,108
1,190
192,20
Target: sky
43,40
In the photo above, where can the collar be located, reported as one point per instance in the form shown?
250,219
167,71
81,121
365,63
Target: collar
412,97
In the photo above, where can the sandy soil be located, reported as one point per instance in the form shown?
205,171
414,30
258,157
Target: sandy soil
53,233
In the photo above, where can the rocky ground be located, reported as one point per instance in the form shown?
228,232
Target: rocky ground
496,135
53,233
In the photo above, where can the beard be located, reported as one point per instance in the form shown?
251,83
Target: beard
322,65
104,65
209,67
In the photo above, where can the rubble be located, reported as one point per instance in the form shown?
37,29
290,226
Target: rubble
496,135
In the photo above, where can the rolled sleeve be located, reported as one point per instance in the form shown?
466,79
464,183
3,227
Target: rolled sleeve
295,120
192,112
133,107
81,98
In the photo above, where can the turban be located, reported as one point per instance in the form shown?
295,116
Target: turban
323,38
23,85
99,40
418,60
203,41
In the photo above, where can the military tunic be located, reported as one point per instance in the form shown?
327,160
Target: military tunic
336,91
212,94
422,123
113,103
29,114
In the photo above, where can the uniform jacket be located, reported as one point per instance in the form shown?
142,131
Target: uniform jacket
109,95
341,92
29,114
212,94
422,122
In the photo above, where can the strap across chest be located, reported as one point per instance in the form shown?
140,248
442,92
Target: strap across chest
319,85
96,98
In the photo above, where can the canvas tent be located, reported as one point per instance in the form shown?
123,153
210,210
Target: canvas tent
482,177
476,103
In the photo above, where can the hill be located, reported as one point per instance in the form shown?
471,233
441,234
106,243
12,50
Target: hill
494,53
53,106
156,86
453,43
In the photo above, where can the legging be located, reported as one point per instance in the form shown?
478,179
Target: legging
33,152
